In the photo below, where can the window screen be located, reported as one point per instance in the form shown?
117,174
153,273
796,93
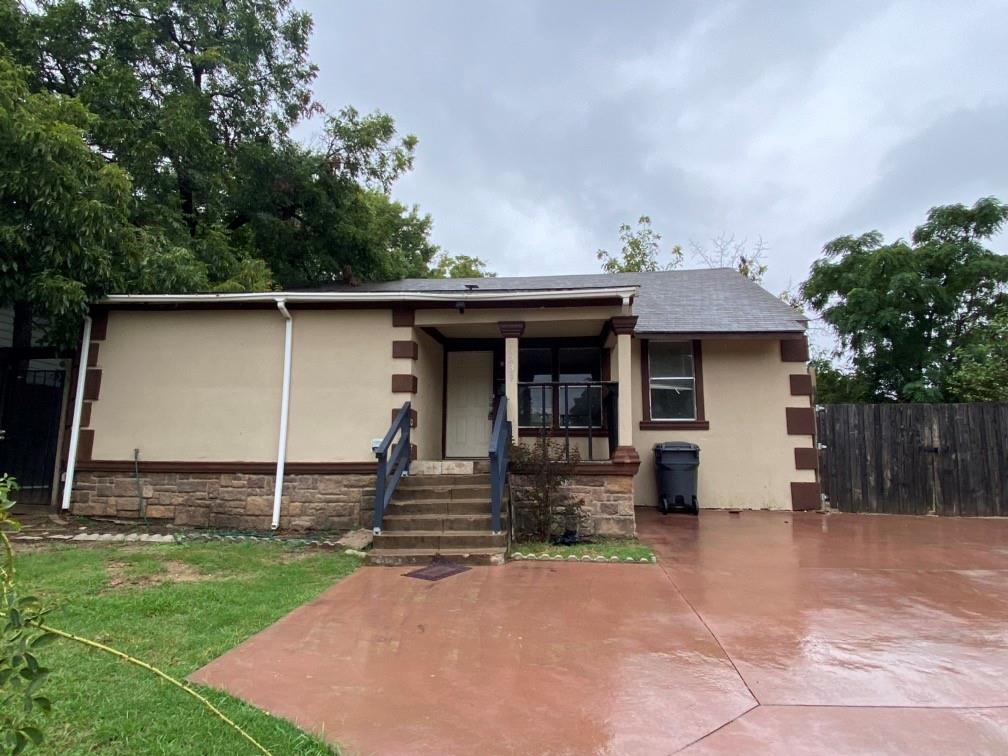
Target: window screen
672,382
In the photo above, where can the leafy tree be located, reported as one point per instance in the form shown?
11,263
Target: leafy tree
906,310
981,371
640,252
834,386
64,210
194,102
460,266
323,215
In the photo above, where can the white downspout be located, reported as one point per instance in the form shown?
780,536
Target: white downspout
78,409
284,412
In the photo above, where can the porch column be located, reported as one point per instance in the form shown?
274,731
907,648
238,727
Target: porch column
623,326
511,330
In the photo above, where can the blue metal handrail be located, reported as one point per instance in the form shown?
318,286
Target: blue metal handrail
392,468
499,439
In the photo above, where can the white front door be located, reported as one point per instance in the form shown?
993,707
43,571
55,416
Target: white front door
467,404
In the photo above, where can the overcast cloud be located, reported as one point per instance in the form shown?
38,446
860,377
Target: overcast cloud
545,125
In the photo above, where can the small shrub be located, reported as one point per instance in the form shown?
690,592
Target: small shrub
544,510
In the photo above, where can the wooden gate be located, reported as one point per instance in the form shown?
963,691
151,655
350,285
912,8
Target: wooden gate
946,459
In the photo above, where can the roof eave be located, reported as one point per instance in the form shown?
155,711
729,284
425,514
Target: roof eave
623,293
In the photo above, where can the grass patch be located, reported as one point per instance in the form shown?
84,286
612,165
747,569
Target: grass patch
605,547
176,606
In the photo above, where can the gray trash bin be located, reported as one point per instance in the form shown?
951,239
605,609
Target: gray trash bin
676,464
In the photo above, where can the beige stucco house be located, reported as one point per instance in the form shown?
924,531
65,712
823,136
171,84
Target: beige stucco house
189,405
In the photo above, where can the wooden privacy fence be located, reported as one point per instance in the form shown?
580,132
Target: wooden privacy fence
946,459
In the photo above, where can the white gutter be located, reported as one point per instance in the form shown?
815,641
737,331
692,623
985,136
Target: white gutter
623,292
78,409
284,412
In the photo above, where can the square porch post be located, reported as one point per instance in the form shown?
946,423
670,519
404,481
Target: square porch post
623,326
511,331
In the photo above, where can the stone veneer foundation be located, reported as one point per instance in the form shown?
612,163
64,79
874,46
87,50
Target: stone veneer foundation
234,501
608,500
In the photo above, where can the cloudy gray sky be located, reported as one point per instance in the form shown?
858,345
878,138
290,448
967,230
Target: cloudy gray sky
544,125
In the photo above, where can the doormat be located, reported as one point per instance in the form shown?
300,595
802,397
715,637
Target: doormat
437,571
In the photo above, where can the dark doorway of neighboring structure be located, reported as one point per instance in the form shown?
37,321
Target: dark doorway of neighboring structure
31,402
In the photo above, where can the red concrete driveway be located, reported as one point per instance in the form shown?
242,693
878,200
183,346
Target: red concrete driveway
759,632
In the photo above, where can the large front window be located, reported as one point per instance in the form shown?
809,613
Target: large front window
551,387
672,382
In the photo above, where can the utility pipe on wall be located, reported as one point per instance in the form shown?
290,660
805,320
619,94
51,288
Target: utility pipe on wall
284,412
78,409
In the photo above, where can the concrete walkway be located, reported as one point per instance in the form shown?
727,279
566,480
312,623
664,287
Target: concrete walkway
759,632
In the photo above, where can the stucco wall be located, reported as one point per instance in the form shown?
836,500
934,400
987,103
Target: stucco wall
190,385
746,456
341,395
205,385
428,399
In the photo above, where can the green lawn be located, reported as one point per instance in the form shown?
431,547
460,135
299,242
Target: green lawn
176,606
606,547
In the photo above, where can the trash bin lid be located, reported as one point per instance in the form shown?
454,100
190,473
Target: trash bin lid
677,446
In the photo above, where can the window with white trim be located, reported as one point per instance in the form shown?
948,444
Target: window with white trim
672,380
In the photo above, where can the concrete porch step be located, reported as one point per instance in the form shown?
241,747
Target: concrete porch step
440,521
419,481
418,493
437,540
470,557
439,506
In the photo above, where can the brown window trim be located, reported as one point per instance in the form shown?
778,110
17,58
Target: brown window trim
700,421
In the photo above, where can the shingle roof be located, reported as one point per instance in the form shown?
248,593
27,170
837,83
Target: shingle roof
710,300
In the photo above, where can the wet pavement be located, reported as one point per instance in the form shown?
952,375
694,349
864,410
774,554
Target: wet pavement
791,633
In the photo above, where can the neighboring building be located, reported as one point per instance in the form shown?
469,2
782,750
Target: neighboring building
183,398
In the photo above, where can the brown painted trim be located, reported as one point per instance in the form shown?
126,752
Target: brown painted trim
404,383
794,350
412,414
623,323
407,350
645,374
805,497
412,452
675,425
444,403
800,421
435,334
806,459
700,422
606,364
511,329
257,468
622,469
92,358
85,444
801,384
85,414
722,335
92,383
99,325
701,412
403,317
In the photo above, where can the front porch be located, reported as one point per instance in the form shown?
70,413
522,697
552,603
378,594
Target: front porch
567,377
562,372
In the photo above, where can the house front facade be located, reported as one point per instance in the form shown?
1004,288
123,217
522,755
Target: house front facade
189,406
